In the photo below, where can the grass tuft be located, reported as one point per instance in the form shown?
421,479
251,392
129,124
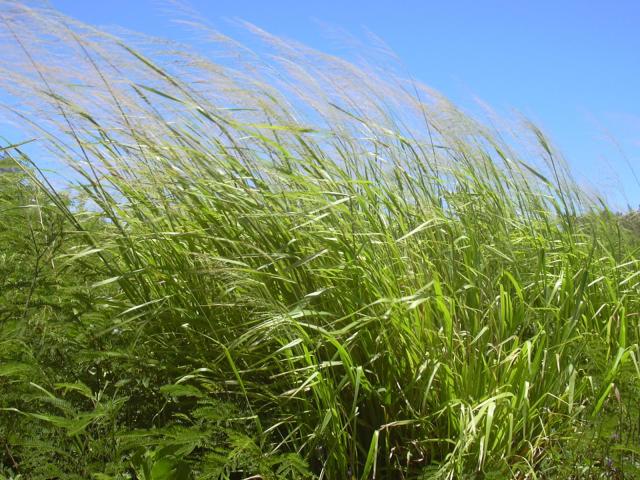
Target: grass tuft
287,265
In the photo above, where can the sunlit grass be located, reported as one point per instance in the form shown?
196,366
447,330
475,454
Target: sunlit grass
382,284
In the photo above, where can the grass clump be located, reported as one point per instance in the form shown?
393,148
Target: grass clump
291,266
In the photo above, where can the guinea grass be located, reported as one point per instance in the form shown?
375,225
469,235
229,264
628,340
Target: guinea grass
386,286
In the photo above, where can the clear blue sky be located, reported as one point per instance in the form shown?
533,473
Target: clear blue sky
571,66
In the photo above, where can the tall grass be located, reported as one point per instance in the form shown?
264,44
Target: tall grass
385,285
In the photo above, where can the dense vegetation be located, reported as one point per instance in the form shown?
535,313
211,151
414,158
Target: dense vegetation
292,267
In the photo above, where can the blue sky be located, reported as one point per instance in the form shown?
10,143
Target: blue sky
571,66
